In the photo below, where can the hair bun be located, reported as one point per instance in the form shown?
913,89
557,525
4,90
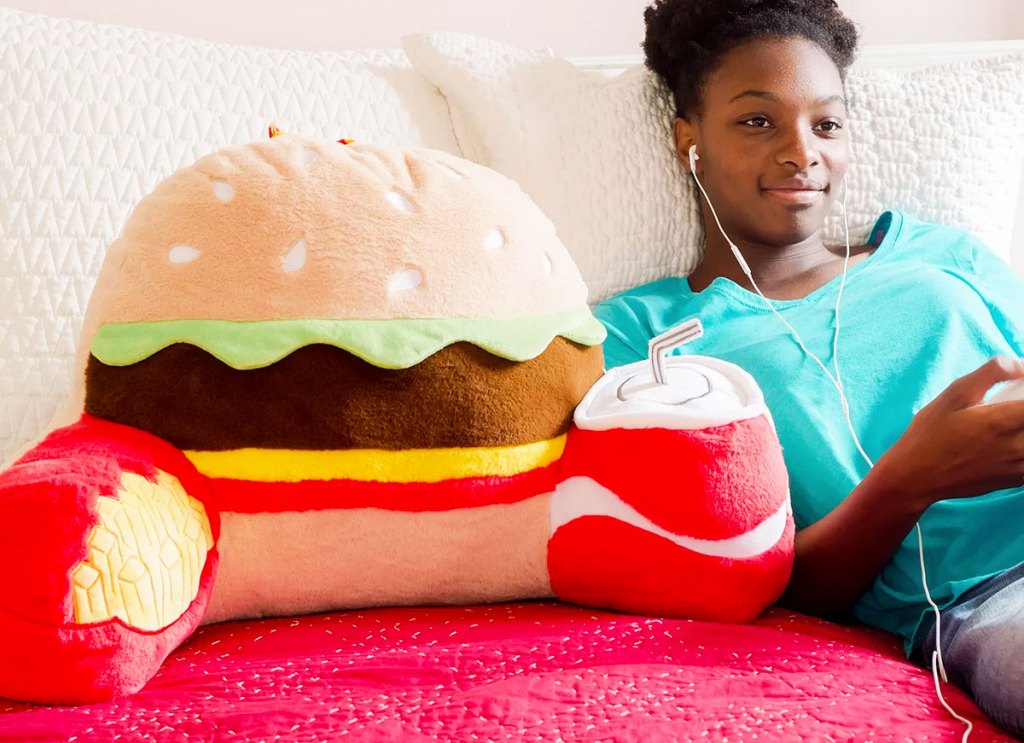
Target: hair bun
686,39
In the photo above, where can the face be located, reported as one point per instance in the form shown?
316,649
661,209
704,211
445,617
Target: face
772,140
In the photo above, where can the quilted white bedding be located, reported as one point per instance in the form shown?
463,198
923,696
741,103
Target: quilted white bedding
94,116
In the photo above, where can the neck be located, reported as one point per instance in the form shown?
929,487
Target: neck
775,267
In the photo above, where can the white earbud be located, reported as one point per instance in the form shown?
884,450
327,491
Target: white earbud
694,157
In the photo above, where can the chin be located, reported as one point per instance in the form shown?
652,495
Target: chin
784,236
792,227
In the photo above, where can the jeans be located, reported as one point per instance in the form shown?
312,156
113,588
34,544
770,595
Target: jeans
983,647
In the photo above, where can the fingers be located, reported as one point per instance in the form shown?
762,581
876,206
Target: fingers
1006,462
994,423
1012,415
971,389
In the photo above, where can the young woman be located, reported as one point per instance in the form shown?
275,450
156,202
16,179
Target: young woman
930,322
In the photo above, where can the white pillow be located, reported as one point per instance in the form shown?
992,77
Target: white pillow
94,116
596,153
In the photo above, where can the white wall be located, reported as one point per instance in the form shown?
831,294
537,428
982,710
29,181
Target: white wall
909,21
570,27
573,27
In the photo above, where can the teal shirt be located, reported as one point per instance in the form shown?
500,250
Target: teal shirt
929,305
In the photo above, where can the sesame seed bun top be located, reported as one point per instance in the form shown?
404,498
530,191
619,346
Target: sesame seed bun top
256,250
296,228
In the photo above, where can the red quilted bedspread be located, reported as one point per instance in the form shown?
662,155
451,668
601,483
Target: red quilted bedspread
520,672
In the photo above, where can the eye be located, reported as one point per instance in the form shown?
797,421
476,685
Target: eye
831,126
759,122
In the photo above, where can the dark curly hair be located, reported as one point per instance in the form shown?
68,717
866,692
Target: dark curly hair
687,39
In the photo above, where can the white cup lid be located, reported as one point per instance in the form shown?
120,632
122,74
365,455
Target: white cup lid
699,392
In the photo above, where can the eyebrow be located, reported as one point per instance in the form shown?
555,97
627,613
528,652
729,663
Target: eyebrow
774,98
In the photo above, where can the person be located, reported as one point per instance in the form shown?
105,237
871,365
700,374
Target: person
930,321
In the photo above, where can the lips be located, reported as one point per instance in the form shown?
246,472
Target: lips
796,184
796,191
794,196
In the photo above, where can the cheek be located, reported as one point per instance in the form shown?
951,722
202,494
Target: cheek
838,162
731,179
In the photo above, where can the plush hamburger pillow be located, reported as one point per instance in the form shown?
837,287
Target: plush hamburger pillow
318,376
357,337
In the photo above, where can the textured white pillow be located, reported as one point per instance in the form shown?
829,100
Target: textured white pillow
93,116
596,153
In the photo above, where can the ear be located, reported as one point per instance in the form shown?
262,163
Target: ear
685,136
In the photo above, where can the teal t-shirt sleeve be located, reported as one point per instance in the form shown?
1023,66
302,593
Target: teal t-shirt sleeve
1003,291
627,340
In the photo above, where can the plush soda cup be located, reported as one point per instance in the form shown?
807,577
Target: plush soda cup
677,488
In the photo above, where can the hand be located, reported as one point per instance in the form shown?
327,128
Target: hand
958,447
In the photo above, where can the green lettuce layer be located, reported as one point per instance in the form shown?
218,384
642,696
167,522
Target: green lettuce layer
389,344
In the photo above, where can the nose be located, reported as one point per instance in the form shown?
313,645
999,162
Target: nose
798,149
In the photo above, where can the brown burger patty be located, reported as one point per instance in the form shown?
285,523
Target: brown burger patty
321,397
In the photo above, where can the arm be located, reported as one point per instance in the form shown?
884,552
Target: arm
955,447
839,556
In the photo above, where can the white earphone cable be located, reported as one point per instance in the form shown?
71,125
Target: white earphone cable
938,667
796,336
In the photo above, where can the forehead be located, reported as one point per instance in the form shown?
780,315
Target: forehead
792,68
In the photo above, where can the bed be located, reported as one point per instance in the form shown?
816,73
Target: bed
520,672
131,107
